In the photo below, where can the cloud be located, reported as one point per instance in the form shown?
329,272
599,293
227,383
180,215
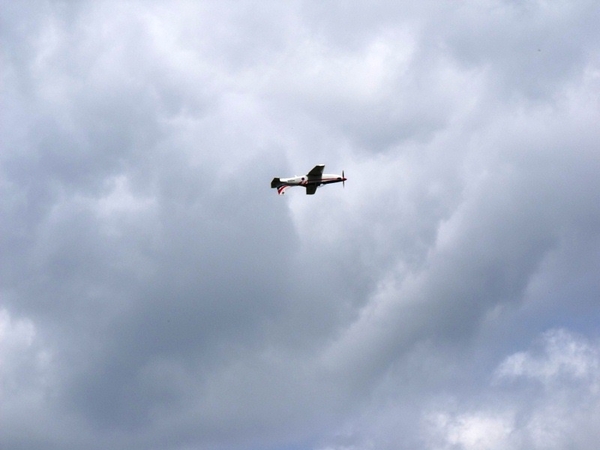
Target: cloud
535,407
156,293
27,380
474,431
563,356
559,415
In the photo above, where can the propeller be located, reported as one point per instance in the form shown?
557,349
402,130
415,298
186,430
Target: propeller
343,179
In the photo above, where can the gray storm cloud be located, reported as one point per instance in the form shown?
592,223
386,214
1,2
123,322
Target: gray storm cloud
155,293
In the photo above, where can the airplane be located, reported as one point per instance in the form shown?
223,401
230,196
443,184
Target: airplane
311,181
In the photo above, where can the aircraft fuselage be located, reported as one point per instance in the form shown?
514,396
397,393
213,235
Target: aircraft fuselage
327,178
310,181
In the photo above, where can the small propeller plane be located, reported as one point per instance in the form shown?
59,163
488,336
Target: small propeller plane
311,181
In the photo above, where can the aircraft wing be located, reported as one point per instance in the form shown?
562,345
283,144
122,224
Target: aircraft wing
311,189
317,171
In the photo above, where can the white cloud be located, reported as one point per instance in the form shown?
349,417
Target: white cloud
561,415
564,356
22,362
26,378
473,431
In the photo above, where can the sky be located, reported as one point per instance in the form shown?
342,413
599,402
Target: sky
156,293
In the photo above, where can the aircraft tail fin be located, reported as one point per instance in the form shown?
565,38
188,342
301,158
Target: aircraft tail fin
276,182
